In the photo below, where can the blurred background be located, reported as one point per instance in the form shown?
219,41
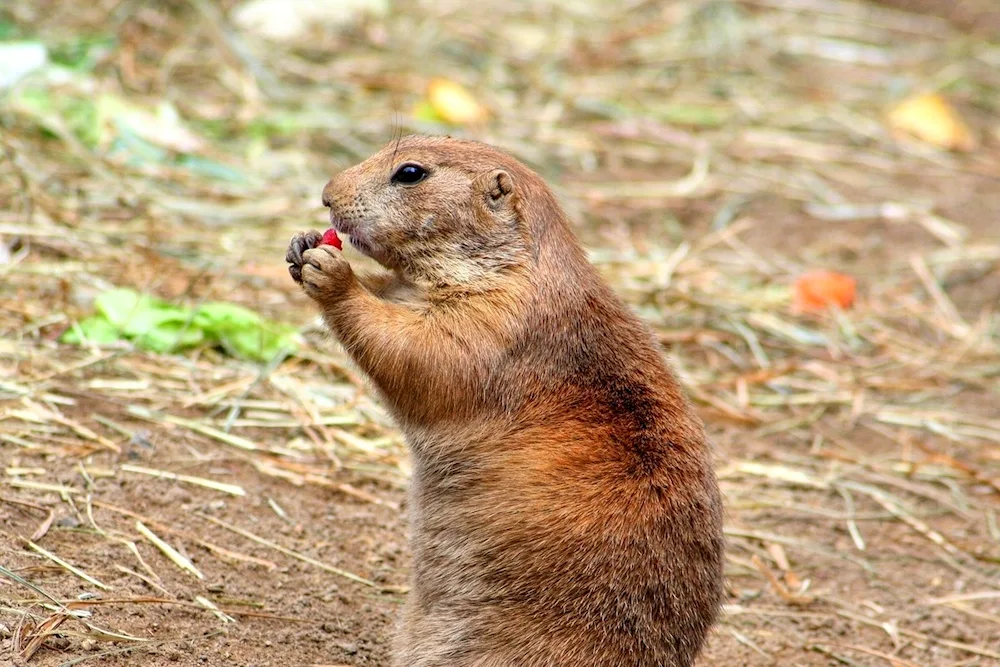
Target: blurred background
802,197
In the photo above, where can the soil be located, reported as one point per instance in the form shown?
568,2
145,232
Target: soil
876,606
318,618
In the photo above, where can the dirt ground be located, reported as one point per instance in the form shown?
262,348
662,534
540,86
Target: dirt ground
859,452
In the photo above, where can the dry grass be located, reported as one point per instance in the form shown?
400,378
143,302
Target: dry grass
711,152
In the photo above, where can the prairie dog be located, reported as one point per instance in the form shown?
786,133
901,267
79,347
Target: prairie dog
563,508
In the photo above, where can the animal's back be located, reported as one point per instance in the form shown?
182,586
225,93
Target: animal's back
580,523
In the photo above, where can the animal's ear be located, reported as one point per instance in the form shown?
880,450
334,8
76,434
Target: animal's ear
497,189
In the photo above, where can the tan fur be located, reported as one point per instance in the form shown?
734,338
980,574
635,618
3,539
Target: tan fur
563,508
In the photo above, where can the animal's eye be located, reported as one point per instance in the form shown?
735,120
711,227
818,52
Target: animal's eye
409,174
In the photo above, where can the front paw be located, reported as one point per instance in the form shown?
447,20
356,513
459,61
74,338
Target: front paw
326,275
299,244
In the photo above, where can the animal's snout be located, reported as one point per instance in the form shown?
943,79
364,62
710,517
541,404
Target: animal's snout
328,194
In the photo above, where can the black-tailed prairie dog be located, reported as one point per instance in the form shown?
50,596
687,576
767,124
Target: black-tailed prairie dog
563,507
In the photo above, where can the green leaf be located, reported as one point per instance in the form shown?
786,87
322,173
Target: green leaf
151,323
272,125
261,344
218,316
130,311
8,30
695,115
94,329
62,112
156,325
82,53
243,333
83,119
170,336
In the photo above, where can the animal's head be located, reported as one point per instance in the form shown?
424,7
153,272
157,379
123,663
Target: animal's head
437,209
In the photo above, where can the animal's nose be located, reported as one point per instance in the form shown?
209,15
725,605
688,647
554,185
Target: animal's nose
328,194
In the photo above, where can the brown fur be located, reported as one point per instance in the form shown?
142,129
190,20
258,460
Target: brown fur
563,508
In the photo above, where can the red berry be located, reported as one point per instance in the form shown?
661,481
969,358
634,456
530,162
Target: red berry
330,238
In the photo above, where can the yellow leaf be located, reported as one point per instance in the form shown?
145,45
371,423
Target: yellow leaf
453,103
930,118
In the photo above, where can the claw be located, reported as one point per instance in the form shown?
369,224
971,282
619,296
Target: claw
299,244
